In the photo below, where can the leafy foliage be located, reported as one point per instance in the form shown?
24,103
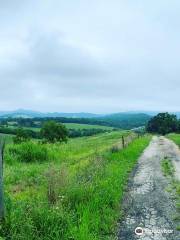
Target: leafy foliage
54,132
14,131
21,136
163,123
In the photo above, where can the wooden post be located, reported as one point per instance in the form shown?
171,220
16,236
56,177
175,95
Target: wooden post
2,144
123,142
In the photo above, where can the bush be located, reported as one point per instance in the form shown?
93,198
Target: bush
21,136
54,132
29,152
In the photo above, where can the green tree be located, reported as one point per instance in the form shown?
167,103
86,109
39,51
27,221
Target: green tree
54,132
21,136
163,123
179,126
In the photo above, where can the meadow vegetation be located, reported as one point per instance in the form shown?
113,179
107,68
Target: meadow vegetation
174,137
74,130
175,184
167,167
86,126
67,191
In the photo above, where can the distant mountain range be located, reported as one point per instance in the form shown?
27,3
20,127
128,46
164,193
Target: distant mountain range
23,113
123,120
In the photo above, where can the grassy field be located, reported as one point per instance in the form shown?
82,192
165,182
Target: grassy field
86,126
75,126
27,128
67,191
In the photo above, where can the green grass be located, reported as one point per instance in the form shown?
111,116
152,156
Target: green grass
86,126
75,194
75,126
27,128
6,137
176,184
167,167
174,137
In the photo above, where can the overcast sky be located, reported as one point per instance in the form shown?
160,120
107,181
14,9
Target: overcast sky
92,56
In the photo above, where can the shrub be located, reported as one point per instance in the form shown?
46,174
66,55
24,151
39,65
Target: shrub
21,136
54,132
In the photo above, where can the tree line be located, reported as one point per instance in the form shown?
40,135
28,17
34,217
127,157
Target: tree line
121,120
28,133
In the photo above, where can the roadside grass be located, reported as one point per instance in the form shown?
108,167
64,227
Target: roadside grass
167,167
168,170
176,187
176,184
74,194
174,137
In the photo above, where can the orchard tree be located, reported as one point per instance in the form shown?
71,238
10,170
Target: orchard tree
52,132
163,123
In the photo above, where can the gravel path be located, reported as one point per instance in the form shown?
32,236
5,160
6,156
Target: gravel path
148,204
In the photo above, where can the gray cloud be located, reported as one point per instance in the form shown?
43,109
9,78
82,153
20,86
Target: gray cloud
48,56
102,56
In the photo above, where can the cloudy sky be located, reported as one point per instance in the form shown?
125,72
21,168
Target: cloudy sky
92,56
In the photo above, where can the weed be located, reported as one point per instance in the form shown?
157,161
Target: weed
167,167
57,180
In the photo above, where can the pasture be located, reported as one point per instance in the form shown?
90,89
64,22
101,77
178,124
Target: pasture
72,191
75,126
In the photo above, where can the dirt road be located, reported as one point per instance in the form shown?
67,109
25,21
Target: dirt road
148,204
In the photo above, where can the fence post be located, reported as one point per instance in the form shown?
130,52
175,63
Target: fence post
123,142
2,145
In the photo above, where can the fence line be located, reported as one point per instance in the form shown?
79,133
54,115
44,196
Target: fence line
125,141
2,145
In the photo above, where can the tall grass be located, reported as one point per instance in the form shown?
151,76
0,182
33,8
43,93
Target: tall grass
75,194
175,183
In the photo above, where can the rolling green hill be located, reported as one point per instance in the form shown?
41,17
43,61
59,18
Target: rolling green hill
119,120
126,120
